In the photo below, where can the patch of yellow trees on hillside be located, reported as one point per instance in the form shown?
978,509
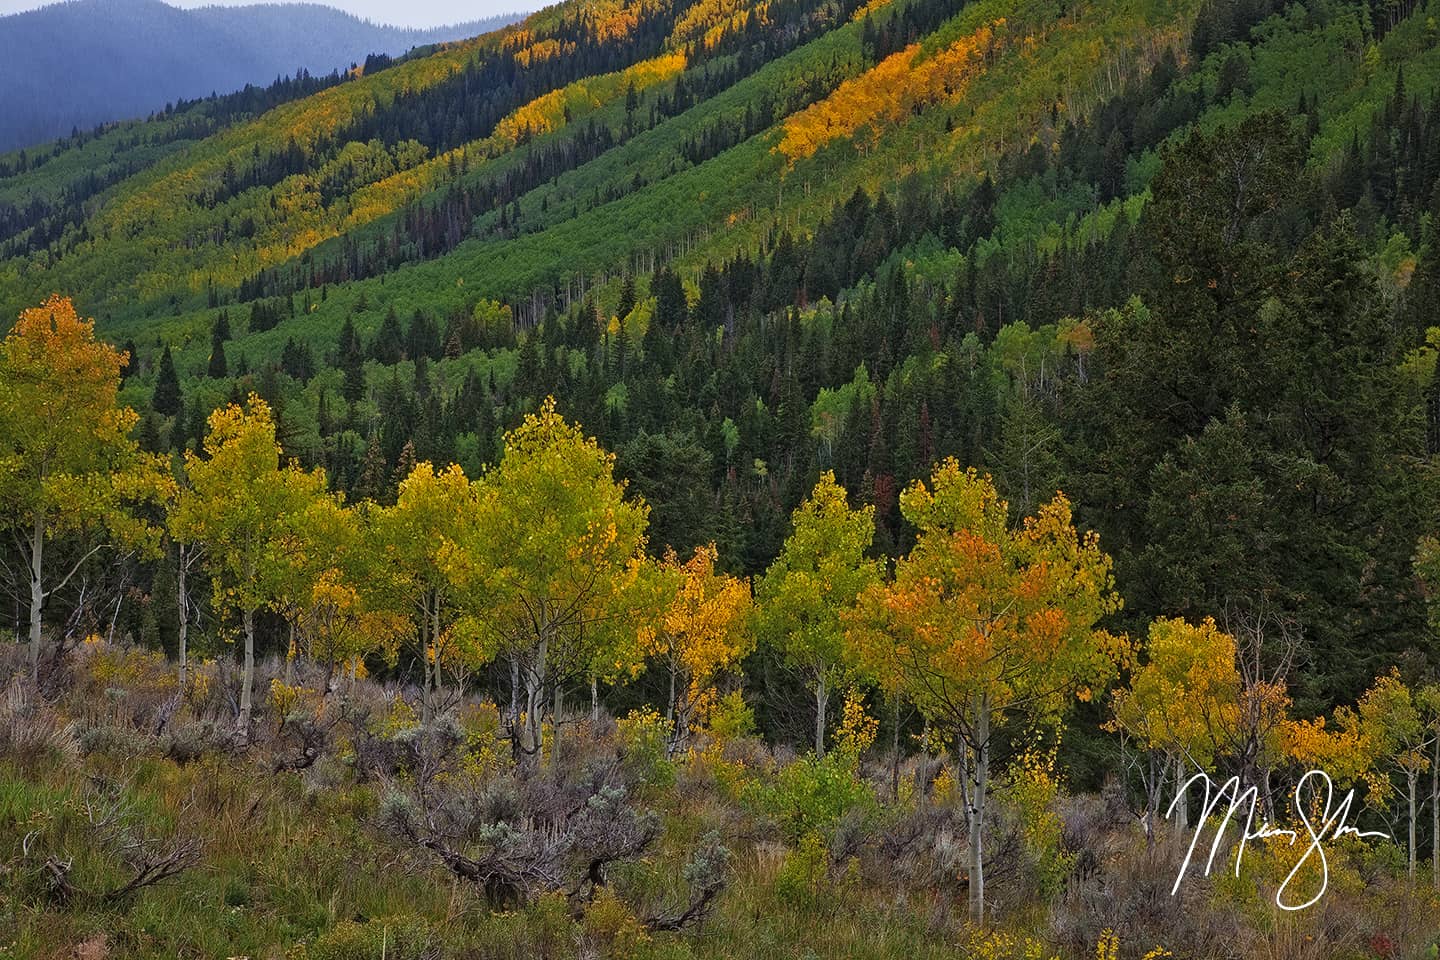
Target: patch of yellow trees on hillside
889,92
707,21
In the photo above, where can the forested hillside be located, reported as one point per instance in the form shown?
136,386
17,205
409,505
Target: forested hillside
130,58
1034,397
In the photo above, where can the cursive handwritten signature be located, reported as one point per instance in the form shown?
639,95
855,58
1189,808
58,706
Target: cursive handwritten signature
1331,824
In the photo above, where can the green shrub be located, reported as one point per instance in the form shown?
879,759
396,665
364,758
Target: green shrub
803,877
810,796
395,938
643,735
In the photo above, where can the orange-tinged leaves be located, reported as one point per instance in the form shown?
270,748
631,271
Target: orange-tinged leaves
982,619
887,93
67,455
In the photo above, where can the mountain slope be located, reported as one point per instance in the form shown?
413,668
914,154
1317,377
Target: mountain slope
802,58
126,58
744,242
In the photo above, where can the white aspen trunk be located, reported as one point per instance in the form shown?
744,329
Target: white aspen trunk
895,751
533,721
435,677
555,715
670,701
37,593
1154,794
1435,815
820,696
247,677
182,602
515,698
425,661
290,658
1184,808
594,700
1411,776
980,786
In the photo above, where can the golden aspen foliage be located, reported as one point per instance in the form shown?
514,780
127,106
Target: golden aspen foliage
704,630
67,461
408,578
868,8
986,624
343,627
887,93
1185,700
704,23
982,613
248,510
549,564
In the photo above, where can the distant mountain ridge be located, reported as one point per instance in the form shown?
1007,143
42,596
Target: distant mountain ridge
125,58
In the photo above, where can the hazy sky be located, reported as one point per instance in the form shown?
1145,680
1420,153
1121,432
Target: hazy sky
404,13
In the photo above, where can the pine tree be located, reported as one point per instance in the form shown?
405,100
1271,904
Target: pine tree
218,368
627,298
352,362
166,399
388,346
373,473
405,464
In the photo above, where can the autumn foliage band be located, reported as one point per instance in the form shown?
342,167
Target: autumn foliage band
541,564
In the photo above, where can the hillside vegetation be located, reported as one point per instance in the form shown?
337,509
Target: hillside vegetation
731,479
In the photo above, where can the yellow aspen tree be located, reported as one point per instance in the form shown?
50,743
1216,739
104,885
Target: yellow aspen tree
985,624
1427,701
407,542
704,630
1178,706
805,593
1400,741
68,465
243,506
548,566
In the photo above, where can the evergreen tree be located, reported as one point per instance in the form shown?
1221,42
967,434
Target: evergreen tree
166,399
218,368
388,347
374,482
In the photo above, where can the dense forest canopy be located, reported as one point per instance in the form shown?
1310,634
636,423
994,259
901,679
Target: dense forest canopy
1194,291
1060,376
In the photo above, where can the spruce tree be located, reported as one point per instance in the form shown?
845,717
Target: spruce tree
218,368
166,399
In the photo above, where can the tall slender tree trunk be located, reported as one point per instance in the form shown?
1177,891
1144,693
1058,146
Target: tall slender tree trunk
1154,794
182,602
594,700
980,785
1411,776
1435,814
247,676
517,733
895,750
670,700
435,675
425,639
1184,808
555,714
37,592
820,697
533,728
